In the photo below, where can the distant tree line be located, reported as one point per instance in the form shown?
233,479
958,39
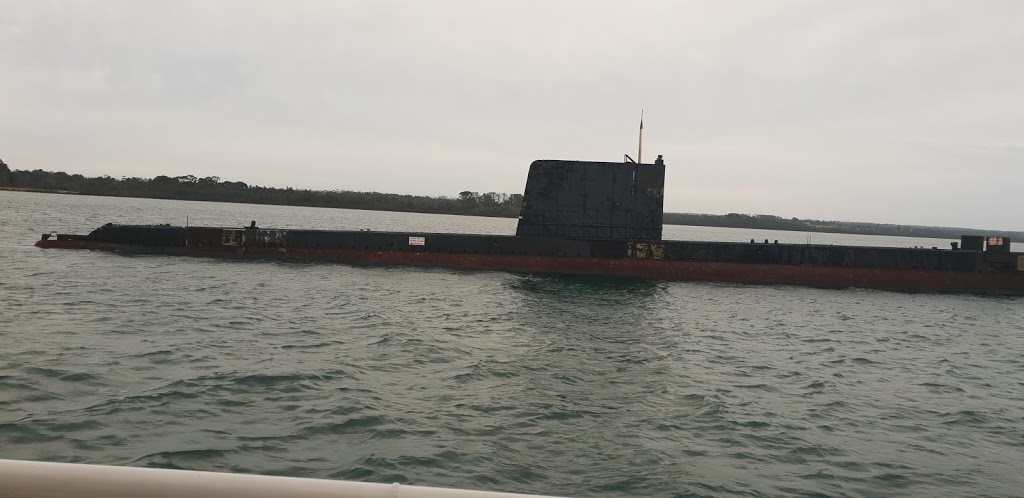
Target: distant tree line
6,177
736,220
212,188
770,222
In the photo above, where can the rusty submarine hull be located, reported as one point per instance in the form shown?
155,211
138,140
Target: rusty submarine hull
598,218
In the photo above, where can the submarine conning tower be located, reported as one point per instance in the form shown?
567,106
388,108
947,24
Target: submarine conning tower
593,200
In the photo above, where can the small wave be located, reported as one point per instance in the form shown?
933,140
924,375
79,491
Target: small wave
941,388
46,372
21,433
894,480
189,458
41,395
966,417
748,456
400,434
317,345
752,424
140,402
819,386
495,408
818,450
161,352
264,380
100,443
563,415
821,475
478,372
80,425
760,387
349,426
14,383
78,377
357,474
817,339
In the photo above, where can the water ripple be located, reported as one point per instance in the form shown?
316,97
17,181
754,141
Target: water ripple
561,385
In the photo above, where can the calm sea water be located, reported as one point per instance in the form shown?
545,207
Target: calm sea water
490,380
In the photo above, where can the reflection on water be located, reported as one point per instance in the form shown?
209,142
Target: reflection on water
586,287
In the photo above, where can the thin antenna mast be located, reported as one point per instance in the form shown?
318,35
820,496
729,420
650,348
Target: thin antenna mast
640,148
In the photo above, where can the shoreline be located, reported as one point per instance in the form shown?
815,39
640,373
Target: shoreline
925,231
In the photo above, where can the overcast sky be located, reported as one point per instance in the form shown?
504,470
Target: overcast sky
903,112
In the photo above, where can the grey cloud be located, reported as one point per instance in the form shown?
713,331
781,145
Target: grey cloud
878,111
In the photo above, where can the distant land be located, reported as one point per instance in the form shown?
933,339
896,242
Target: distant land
192,188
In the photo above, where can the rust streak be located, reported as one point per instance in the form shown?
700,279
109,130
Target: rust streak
1011,282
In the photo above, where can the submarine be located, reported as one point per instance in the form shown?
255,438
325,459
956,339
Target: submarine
597,218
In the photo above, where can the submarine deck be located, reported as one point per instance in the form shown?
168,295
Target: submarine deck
908,269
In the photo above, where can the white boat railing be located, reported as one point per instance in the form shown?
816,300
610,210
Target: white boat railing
25,479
